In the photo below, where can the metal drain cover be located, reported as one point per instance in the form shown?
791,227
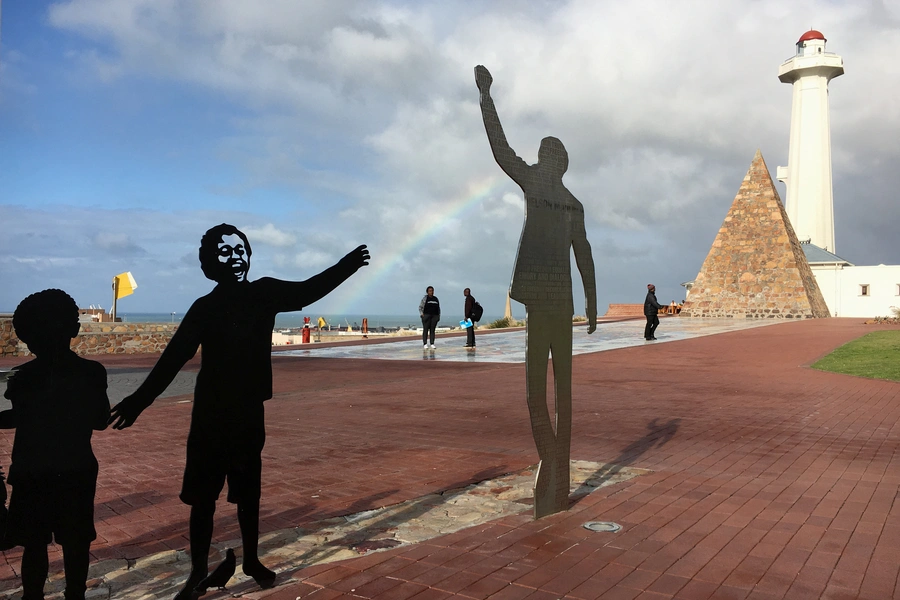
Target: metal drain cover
602,526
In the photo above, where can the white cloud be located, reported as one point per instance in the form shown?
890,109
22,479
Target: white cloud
313,259
116,242
271,235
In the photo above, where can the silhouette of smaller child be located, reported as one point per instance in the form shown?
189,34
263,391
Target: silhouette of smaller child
58,399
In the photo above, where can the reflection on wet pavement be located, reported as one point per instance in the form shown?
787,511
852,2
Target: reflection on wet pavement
510,347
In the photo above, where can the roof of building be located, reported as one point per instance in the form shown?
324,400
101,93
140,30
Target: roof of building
812,34
816,255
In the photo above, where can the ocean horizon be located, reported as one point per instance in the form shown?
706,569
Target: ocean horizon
290,320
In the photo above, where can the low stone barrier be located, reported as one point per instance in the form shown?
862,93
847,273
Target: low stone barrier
100,338
8,341
625,310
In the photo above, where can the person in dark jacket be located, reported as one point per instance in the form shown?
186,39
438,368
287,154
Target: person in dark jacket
651,309
430,311
468,312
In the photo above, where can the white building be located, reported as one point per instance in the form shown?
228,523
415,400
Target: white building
849,290
852,291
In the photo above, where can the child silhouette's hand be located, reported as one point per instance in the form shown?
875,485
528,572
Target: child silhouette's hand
356,258
126,412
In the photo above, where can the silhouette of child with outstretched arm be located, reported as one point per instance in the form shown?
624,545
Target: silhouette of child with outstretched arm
58,399
233,324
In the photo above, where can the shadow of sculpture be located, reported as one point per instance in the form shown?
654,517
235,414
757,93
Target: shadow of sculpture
233,325
320,535
377,526
542,281
58,400
657,436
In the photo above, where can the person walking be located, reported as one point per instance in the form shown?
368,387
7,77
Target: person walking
430,312
651,311
468,314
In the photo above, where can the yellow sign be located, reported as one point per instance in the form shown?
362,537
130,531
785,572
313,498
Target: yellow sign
124,285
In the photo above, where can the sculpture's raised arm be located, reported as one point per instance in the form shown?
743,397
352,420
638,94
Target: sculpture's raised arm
505,156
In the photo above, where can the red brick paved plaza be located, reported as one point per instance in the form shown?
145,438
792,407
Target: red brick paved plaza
769,479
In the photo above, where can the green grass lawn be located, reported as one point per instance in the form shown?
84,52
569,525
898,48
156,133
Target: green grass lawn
875,355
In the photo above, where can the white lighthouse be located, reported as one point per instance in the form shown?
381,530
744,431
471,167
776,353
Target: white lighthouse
809,202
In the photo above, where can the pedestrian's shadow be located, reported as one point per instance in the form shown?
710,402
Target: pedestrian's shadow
657,436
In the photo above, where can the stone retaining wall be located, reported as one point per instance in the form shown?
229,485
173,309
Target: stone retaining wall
100,338
625,310
8,339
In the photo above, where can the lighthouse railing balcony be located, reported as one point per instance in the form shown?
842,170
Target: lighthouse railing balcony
800,55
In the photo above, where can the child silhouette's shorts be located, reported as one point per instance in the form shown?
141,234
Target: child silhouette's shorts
56,506
213,459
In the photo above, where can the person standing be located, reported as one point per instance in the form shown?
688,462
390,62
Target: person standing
468,315
430,312
651,311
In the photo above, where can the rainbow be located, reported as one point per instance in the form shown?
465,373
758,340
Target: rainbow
380,267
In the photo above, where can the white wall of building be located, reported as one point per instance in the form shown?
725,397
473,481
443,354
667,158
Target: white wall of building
843,290
284,339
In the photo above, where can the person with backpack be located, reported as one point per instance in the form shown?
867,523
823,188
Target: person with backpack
430,312
469,314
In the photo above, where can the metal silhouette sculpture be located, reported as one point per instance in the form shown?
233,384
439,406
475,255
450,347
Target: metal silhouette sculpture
233,324
58,400
542,281
220,575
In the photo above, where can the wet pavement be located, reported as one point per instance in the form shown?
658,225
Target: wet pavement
509,347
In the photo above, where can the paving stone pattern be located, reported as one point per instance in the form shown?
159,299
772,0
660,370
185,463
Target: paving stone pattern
160,575
756,268
768,479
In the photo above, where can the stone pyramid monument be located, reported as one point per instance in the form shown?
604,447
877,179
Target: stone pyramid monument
756,268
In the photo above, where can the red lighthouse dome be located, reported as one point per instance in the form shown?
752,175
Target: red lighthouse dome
812,34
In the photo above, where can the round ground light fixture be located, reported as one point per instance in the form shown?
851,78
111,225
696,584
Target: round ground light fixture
602,526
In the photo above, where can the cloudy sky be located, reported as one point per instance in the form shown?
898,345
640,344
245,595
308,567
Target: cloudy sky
129,127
